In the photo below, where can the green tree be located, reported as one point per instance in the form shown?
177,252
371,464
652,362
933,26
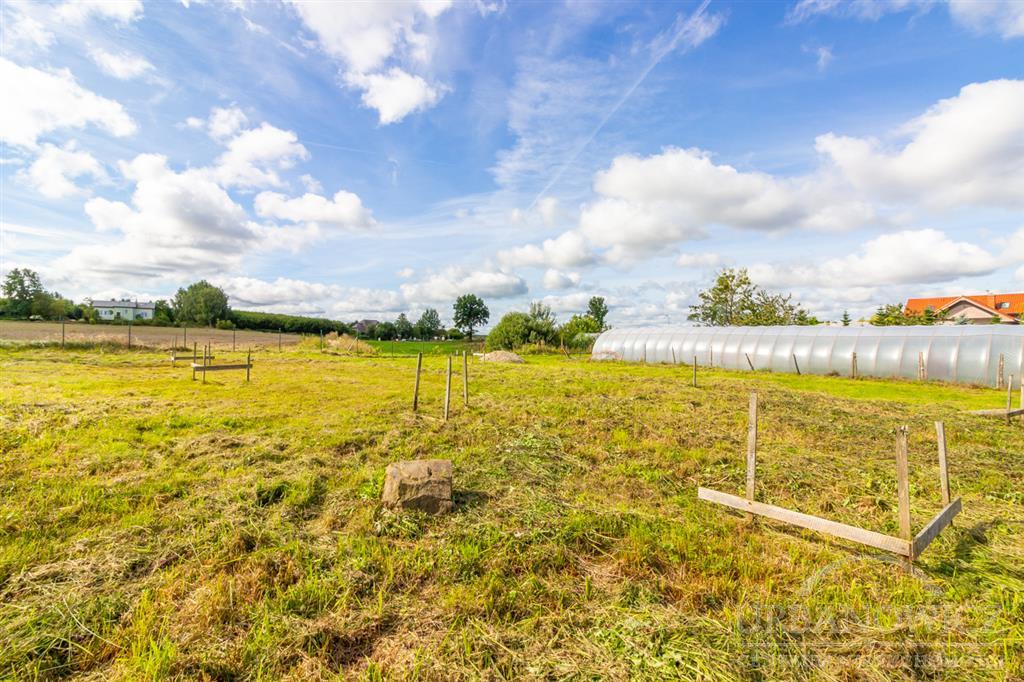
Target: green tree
429,324
470,313
542,323
846,318
163,314
201,303
21,289
736,301
403,327
385,331
597,309
511,332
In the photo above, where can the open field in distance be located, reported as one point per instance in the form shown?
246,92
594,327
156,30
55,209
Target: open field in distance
21,331
152,527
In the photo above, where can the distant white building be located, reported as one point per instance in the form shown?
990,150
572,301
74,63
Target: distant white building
124,310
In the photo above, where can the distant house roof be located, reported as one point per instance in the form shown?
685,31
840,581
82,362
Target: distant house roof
1007,307
140,305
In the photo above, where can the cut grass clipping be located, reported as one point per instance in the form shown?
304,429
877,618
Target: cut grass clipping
152,527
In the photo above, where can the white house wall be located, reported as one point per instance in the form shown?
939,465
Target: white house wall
956,353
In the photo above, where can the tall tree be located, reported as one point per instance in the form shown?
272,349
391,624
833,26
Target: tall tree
470,313
429,324
21,289
200,303
846,318
736,301
598,310
403,327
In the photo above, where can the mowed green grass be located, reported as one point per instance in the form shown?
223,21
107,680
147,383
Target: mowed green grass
152,527
387,348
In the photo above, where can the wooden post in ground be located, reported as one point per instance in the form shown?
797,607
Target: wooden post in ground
749,362
751,446
1009,397
922,372
673,355
233,343
278,340
205,353
321,340
465,379
711,356
416,387
184,340
1022,400
796,364
62,333
248,364
695,371
129,334
448,389
853,365
903,486
999,371
940,432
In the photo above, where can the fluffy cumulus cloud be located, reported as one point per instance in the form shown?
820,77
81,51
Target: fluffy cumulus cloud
568,250
1005,17
121,65
253,157
453,281
368,38
557,279
78,11
298,297
55,168
965,150
37,102
911,256
345,210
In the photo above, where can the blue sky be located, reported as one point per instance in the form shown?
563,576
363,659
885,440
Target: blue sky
361,160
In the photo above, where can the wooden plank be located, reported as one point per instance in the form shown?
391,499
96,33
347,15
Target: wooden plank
940,432
218,368
815,523
934,527
903,486
998,413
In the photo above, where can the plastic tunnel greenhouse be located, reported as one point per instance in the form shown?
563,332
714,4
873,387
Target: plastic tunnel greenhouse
956,353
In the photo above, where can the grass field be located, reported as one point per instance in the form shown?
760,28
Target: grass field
425,347
152,527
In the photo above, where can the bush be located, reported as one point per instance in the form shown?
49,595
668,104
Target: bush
511,332
293,324
455,334
225,324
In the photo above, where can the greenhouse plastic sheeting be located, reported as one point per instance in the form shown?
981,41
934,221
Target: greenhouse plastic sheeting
957,353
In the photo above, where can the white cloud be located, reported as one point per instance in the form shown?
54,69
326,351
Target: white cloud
568,250
253,157
965,150
123,66
699,260
38,102
907,257
1005,17
345,210
395,94
21,32
549,210
298,297
406,273
225,122
78,11
454,281
54,169
366,36
311,184
557,279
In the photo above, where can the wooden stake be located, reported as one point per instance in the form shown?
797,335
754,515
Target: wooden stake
796,364
940,433
749,362
416,388
129,335
673,355
321,340
233,345
903,485
922,373
999,372
1009,397
465,379
278,340
248,363
204,364
448,389
751,446
695,371
62,333
853,364
184,340
195,358
1022,401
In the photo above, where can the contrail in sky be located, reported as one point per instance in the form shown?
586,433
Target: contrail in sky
695,30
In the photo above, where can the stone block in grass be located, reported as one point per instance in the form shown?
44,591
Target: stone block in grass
424,485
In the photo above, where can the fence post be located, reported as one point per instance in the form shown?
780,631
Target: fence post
853,364
673,355
184,340
903,486
278,340
1009,397
129,334
416,388
248,364
321,340
795,364
999,372
695,371
940,432
751,447
233,343
465,379
448,389
749,362
62,333
922,373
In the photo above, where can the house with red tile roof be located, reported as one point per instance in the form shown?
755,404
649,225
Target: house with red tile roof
976,309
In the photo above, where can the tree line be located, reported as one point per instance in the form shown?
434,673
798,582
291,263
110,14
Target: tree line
539,326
